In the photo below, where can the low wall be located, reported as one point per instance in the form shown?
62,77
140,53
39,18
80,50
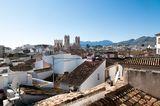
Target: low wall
146,80
87,99
42,83
20,77
45,74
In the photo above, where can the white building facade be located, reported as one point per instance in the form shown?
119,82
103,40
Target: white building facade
158,43
114,71
96,78
63,62
9,78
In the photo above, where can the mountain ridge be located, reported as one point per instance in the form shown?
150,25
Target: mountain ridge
143,40
94,43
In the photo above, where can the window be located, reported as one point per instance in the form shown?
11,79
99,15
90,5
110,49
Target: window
98,76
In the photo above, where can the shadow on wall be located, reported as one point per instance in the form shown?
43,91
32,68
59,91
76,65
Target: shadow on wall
148,81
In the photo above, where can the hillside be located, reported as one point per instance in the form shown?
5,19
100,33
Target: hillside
94,43
144,40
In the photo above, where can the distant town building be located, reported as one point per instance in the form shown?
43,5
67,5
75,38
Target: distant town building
158,43
7,50
58,44
2,50
66,41
111,54
77,41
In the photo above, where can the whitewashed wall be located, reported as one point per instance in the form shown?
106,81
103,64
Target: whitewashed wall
63,62
39,64
41,82
92,80
22,77
4,68
3,81
157,45
113,69
66,65
43,75
48,59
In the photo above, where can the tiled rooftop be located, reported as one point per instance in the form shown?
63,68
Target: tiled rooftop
24,67
70,97
3,65
21,67
143,62
30,62
36,91
127,96
113,61
79,52
81,73
43,69
153,62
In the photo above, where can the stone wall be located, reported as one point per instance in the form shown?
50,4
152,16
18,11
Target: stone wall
147,80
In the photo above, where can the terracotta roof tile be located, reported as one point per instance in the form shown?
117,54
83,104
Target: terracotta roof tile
21,67
137,98
145,62
28,65
81,73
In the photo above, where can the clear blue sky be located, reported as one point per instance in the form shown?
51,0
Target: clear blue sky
42,21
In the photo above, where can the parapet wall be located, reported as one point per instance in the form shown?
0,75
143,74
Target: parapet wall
145,79
86,99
